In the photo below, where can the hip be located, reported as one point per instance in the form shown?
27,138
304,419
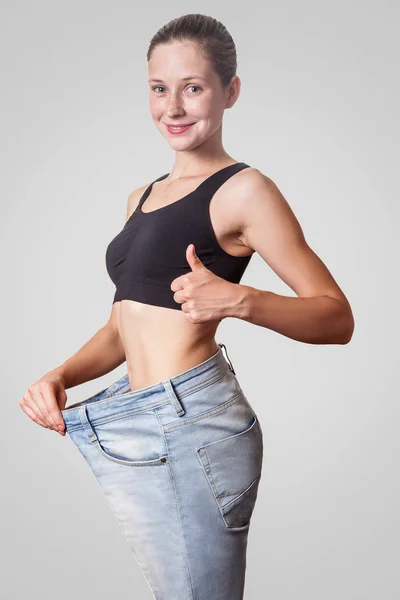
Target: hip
197,431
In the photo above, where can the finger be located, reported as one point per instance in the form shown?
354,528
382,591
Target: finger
32,412
179,297
176,285
30,407
52,407
38,397
192,258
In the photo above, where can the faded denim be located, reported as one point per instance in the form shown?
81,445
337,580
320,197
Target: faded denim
180,463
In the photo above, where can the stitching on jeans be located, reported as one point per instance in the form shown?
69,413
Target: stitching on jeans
122,395
170,463
209,481
138,410
223,512
208,471
233,435
128,413
214,411
240,493
123,415
130,463
205,384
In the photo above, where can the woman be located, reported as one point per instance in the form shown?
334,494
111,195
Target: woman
174,444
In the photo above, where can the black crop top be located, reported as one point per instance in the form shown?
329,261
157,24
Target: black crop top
150,250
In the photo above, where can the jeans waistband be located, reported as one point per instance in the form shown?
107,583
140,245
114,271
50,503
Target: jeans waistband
117,397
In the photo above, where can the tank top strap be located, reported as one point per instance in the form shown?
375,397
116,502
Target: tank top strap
208,187
148,190
212,183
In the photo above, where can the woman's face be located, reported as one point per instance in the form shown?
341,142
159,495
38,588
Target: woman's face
184,89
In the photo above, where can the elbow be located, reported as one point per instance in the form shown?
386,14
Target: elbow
348,329
344,322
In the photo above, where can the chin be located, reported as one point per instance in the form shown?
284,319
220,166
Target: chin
184,147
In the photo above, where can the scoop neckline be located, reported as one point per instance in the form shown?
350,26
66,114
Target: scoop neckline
149,189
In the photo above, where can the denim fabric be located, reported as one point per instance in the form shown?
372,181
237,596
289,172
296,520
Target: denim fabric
180,463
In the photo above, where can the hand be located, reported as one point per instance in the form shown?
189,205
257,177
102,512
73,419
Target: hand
44,400
204,296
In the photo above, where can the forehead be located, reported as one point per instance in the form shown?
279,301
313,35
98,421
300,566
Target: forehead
178,60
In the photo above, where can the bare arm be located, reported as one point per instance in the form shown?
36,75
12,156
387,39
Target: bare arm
44,399
104,351
321,314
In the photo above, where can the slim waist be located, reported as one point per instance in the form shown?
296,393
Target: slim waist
119,399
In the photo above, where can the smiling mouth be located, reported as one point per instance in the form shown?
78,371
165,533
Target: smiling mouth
179,126
175,129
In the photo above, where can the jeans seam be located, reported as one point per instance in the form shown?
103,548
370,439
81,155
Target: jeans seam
213,411
125,414
113,396
237,498
129,463
170,463
155,405
205,384
233,435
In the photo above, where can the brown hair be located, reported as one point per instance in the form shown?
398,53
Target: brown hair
214,41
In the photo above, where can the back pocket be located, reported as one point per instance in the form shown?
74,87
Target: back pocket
233,468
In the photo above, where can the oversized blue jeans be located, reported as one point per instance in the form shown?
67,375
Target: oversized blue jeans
180,464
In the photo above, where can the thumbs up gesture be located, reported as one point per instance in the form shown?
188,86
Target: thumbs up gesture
203,295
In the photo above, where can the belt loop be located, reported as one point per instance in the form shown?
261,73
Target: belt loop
173,397
228,359
82,412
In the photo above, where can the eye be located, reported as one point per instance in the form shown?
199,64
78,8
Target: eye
194,86
162,87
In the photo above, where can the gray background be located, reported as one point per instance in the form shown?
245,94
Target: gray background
318,113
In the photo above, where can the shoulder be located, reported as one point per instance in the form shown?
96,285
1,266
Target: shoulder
252,180
250,192
134,198
249,186
266,217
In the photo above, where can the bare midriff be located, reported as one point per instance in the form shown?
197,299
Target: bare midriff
160,342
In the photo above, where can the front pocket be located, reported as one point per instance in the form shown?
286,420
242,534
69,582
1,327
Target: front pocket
233,468
134,441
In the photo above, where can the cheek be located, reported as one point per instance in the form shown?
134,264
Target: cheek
156,108
206,108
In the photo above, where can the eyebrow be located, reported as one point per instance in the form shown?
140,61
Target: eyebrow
183,79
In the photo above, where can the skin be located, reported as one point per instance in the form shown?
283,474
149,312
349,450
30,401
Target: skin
248,213
167,342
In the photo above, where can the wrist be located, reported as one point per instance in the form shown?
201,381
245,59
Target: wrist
244,299
60,373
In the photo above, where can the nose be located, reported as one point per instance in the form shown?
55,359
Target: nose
174,106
